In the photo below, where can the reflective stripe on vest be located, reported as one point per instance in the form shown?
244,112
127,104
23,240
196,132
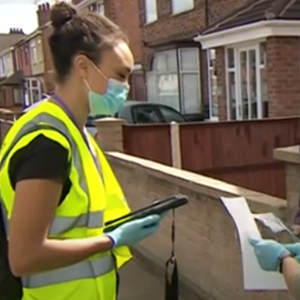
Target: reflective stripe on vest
61,225
82,270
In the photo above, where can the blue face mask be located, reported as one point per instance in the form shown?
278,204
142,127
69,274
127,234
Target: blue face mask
111,102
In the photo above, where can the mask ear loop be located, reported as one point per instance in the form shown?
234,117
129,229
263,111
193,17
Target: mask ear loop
87,84
99,71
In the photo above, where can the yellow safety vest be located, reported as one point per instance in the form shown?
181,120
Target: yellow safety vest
94,199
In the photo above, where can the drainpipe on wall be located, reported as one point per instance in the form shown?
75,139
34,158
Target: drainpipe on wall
206,13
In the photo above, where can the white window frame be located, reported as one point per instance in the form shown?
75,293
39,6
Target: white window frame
30,89
193,72
33,52
150,6
10,67
237,49
39,58
180,6
179,74
7,62
211,55
16,57
99,5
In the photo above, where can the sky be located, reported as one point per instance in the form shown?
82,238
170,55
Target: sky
18,14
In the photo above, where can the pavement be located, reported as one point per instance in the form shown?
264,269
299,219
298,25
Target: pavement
138,284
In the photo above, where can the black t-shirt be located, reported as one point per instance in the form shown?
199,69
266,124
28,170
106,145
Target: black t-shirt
42,158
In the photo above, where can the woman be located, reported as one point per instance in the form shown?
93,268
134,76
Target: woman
57,189
273,256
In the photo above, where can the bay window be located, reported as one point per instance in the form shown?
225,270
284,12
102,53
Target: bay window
174,79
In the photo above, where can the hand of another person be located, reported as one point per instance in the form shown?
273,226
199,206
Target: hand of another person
268,253
294,249
134,231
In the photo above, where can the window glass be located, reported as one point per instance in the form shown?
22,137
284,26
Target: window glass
230,58
170,115
18,99
189,59
190,93
179,6
150,11
144,114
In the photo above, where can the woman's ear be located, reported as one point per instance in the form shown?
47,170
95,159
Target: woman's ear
81,66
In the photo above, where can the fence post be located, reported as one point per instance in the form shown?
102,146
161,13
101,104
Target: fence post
175,145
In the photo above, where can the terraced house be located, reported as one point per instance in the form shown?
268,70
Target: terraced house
228,59
10,80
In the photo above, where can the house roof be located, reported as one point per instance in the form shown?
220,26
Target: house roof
9,39
15,79
259,10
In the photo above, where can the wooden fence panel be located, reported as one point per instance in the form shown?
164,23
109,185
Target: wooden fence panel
240,152
148,141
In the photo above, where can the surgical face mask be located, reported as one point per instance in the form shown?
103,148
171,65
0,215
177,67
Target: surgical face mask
111,102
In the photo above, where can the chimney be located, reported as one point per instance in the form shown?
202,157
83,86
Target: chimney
43,13
16,31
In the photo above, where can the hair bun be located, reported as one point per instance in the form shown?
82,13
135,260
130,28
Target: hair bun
61,13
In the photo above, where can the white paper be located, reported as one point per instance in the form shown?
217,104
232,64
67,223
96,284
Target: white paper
254,277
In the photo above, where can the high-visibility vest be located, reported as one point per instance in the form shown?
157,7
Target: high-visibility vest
95,198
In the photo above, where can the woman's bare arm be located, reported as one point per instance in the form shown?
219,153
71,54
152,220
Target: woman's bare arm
30,251
291,273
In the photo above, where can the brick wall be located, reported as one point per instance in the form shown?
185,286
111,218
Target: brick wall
48,76
6,96
290,156
283,73
22,55
207,248
170,27
126,15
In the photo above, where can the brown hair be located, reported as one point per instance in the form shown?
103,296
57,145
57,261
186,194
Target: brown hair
78,33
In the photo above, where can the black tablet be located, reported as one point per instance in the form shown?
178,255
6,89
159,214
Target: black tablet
156,208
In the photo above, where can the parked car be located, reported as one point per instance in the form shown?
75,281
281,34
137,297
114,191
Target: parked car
140,112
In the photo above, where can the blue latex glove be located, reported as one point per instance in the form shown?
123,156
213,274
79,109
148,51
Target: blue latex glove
268,253
132,232
294,249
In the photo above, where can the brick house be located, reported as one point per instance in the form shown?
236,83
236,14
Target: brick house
10,78
191,72
30,60
257,60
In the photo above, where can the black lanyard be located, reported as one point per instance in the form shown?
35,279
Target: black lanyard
171,272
